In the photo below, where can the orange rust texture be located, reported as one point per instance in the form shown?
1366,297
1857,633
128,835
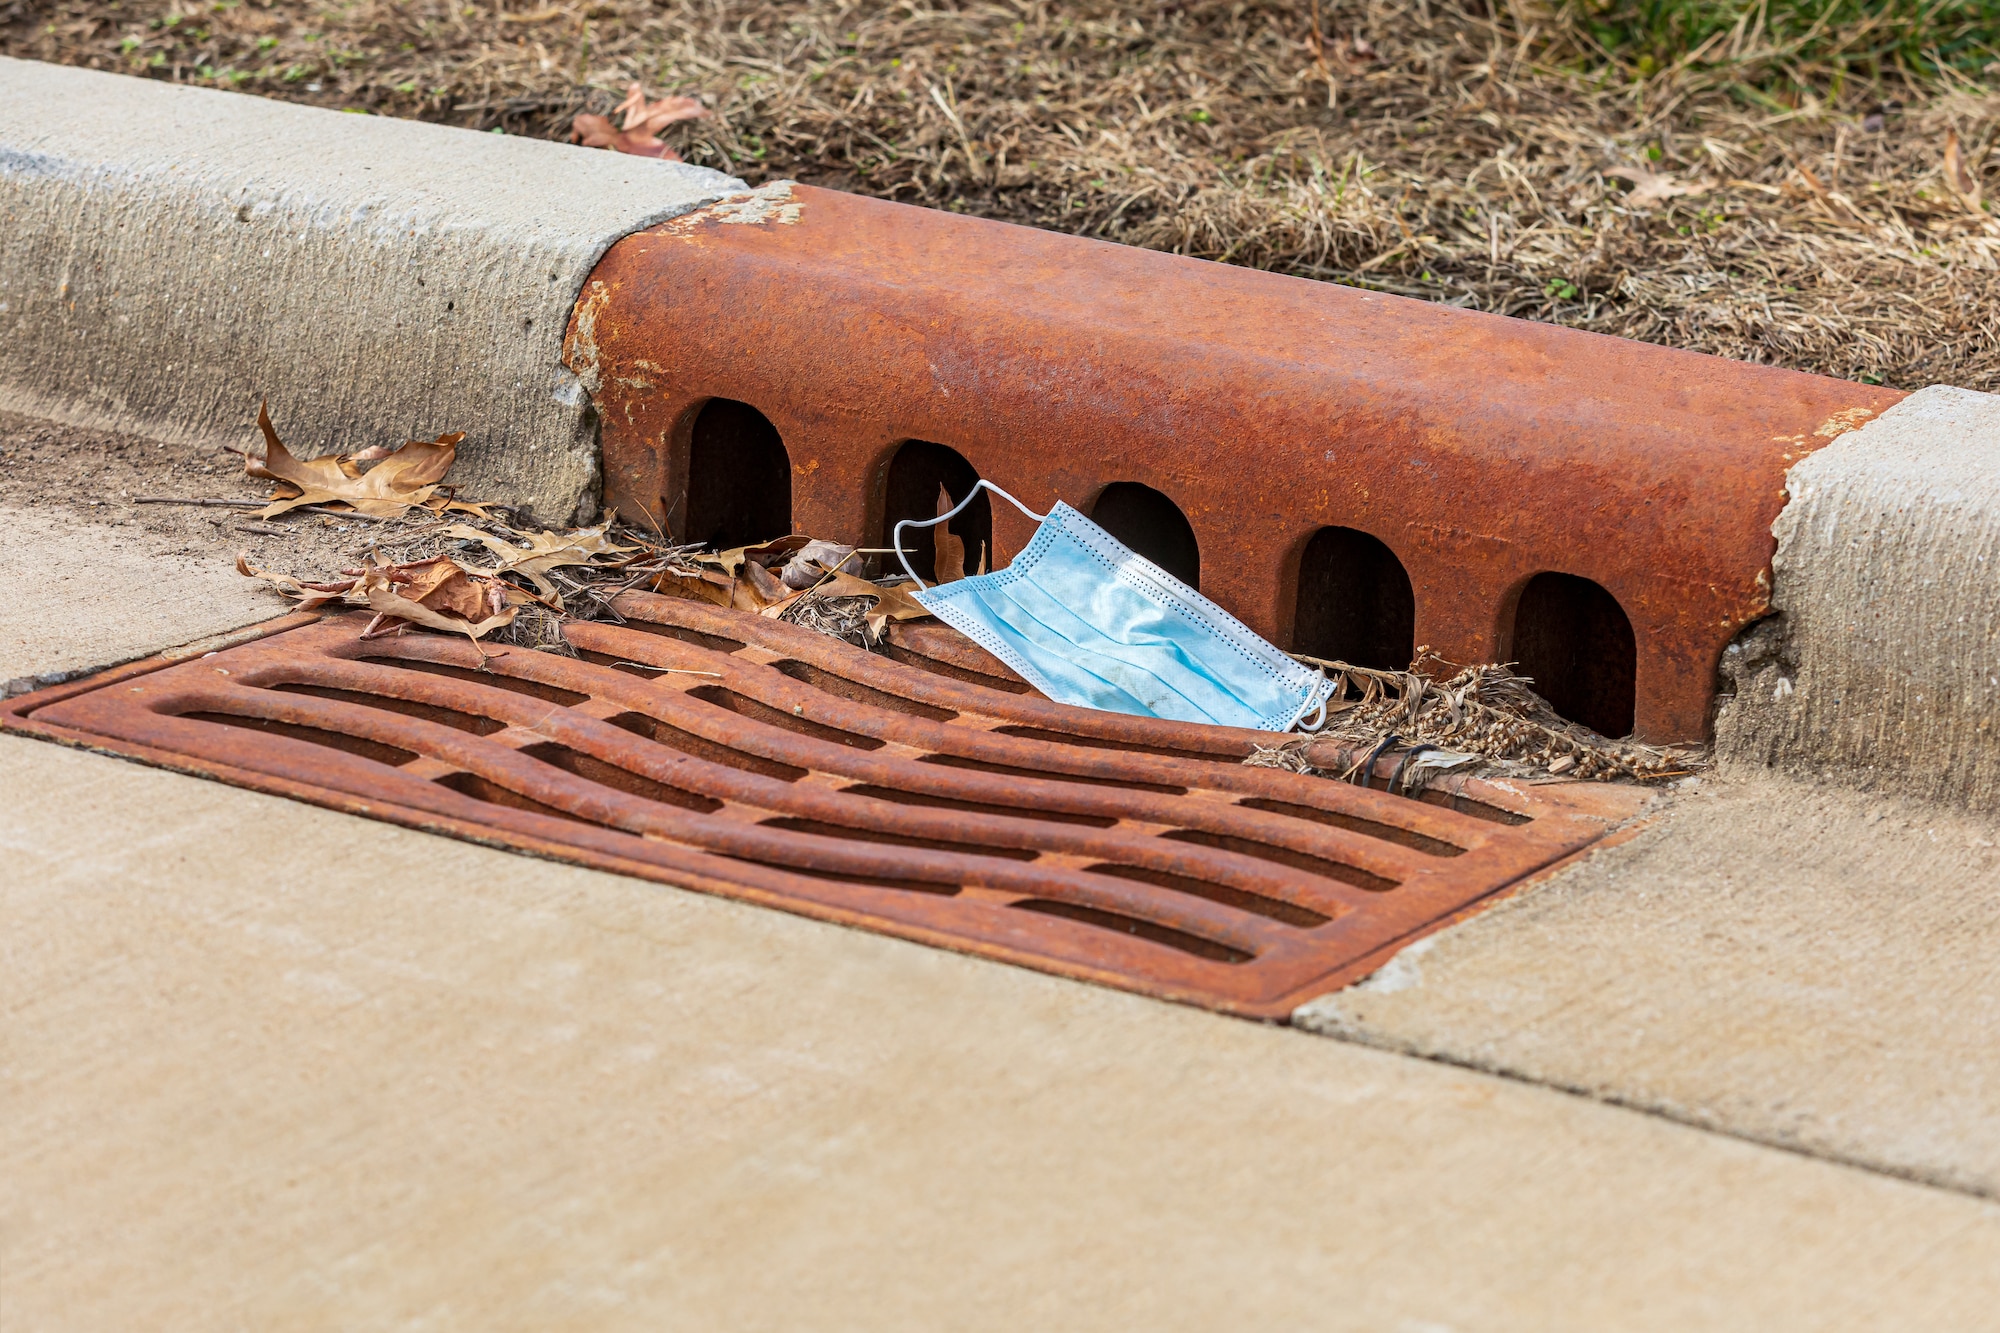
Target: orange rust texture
1482,450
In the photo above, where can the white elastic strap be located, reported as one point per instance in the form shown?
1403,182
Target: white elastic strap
1299,723
896,537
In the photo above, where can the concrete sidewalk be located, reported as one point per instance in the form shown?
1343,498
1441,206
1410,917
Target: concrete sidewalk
274,1066
1797,964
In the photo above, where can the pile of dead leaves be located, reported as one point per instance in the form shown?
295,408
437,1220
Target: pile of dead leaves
438,594
577,574
444,592
1482,719
481,576
796,578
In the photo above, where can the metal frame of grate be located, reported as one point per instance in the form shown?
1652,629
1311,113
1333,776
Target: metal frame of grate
730,753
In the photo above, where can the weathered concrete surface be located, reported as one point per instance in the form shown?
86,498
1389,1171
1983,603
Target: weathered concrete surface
1802,965
170,255
274,1067
1883,664
80,596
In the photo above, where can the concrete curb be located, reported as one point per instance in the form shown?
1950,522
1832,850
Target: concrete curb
376,279
1882,664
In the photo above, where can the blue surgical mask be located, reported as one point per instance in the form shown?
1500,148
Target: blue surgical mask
1088,621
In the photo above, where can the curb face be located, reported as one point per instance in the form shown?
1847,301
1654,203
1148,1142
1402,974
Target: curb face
1596,509
377,280
1883,665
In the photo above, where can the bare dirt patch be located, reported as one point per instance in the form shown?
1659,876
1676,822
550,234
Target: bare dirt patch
94,476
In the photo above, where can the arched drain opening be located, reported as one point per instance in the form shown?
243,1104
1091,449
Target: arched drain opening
739,479
1152,525
1355,602
1574,639
915,474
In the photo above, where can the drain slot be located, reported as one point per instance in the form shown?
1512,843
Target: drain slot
1285,856
1277,909
593,769
896,839
1465,805
744,706
952,671
534,689
1099,743
1010,770
700,747
332,740
807,674
625,665
449,717
481,789
924,886
1213,950
977,808
1402,837
715,643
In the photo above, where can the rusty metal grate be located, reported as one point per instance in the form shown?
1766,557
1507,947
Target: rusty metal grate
739,755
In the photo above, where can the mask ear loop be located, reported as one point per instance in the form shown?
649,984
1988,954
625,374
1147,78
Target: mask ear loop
1299,722
896,537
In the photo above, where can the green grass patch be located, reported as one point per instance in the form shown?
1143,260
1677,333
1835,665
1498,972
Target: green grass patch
1808,43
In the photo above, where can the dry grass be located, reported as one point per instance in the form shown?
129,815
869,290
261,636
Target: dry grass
1485,712
1453,154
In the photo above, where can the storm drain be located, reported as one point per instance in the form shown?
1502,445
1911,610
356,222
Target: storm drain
734,754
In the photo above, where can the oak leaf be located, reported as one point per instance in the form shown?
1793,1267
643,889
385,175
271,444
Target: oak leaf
450,598
404,477
544,551
643,121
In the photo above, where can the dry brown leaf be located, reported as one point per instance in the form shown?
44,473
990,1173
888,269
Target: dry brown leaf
443,585
593,131
388,602
767,586
949,564
406,476
544,551
890,603
643,120
702,585
814,560
312,596
440,594
646,117
1956,174
775,552
1656,187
